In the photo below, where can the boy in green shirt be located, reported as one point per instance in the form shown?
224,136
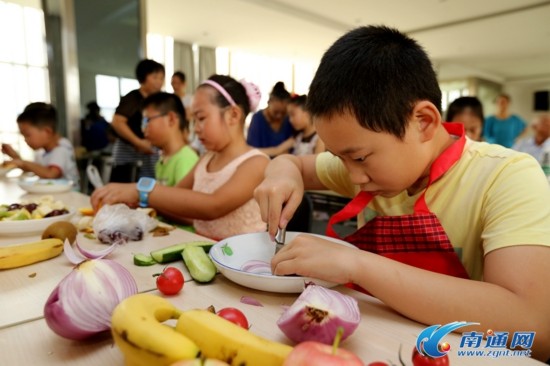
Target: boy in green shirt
166,127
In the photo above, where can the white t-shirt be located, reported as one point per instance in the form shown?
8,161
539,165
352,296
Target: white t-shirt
63,157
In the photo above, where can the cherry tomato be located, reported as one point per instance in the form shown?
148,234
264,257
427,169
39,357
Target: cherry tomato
234,316
419,359
170,281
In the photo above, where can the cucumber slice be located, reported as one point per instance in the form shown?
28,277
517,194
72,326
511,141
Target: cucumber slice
143,260
173,252
199,264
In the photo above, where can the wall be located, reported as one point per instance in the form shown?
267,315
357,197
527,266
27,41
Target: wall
109,41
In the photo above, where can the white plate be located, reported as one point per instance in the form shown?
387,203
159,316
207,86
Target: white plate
30,227
46,185
230,254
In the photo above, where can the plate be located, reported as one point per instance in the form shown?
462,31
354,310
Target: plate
31,227
46,185
231,254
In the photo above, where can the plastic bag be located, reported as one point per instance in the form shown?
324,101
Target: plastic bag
119,223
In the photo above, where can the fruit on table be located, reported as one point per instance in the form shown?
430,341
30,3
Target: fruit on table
419,359
61,230
312,353
222,340
170,281
28,253
137,329
234,316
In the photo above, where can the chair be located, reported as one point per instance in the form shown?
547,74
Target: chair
303,217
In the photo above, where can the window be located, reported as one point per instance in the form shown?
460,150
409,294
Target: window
23,67
109,89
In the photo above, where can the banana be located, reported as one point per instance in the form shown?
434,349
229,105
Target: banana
220,339
136,325
23,254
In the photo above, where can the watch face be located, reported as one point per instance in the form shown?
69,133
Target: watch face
146,184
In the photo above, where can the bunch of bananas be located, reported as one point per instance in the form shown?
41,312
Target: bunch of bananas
23,254
138,331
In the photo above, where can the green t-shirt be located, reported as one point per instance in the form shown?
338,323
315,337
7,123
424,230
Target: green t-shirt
171,171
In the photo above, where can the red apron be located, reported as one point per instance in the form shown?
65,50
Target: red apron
418,239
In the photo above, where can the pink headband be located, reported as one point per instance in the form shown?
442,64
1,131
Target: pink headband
252,91
222,91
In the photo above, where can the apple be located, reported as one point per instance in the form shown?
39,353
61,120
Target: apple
312,353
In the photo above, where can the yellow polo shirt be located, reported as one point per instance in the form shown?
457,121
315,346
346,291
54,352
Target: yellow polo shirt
491,198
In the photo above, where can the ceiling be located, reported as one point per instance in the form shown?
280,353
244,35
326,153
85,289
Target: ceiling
501,40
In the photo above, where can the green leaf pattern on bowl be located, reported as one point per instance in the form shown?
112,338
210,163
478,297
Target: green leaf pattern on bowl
226,250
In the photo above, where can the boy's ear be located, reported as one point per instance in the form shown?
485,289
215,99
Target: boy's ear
428,119
173,119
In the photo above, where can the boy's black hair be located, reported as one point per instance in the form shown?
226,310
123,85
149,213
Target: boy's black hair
167,102
234,88
39,114
146,67
458,105
279,92
299,100
377,74
180,75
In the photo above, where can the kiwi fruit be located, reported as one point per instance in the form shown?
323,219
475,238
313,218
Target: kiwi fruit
60,230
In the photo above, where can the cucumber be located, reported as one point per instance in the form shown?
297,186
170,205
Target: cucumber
199,264
143,260
173,252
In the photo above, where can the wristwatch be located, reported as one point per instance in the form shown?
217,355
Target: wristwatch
144,186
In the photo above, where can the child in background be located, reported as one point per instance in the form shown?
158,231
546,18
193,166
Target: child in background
452,229
54,157
469,112
166,127
306,141
217,195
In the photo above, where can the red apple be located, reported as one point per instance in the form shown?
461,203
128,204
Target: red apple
311,353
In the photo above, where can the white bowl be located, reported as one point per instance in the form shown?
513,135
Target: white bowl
46,185
31,227
229,255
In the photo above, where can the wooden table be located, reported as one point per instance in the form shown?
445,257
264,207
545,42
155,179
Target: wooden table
25,338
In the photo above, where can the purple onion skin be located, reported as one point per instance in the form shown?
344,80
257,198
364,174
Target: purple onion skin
59,322
302,321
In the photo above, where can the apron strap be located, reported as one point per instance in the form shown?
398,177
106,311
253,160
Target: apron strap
352,209
443,162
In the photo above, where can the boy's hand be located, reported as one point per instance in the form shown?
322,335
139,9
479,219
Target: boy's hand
10,151
144,147
311,256
115,193
280,193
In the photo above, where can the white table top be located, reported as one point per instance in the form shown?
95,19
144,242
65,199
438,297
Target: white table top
25,338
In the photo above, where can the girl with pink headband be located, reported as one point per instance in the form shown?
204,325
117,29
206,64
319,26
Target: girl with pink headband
217,195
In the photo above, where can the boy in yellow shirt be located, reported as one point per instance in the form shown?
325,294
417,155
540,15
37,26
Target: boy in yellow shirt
452,229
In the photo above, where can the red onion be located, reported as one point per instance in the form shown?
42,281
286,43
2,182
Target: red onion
257,267
317,314
249,300
82,303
